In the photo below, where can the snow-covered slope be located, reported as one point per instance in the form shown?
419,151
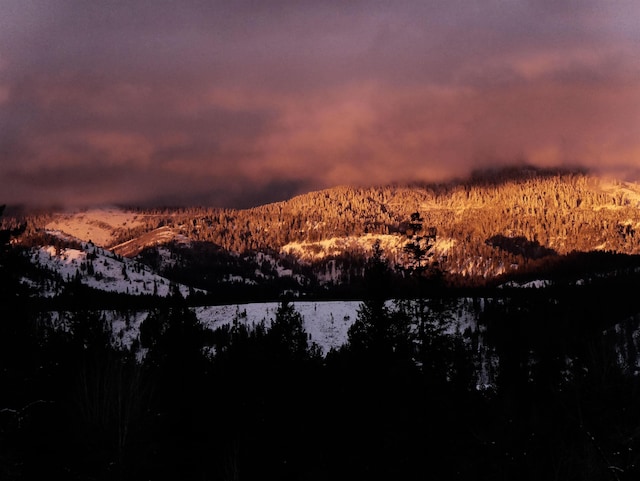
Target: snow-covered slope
101,269
392,245
95,225
159,236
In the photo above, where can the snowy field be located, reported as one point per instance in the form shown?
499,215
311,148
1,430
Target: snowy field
326,323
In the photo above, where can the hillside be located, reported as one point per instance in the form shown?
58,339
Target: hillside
490,226
529,348
98,269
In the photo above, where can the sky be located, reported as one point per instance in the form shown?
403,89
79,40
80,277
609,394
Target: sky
240,103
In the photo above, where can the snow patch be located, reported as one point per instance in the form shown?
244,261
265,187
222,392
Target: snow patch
101,269
96,225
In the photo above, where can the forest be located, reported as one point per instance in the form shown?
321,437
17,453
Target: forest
398,401
490,228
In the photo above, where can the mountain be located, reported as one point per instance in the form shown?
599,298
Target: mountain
129,347
496,227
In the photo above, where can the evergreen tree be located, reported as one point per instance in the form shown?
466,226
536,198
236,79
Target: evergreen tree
287,336
434,346
177,365
378,332
436,351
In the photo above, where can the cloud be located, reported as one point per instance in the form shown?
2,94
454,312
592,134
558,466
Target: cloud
236,103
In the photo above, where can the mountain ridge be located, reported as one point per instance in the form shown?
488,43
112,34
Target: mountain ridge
495,224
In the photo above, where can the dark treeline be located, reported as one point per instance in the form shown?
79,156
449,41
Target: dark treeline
399,401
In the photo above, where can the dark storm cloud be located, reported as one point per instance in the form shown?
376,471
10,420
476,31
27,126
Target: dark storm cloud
234,103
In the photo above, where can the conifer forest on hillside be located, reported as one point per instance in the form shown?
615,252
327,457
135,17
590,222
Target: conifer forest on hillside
494,335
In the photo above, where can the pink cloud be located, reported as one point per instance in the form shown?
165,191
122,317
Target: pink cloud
234,104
